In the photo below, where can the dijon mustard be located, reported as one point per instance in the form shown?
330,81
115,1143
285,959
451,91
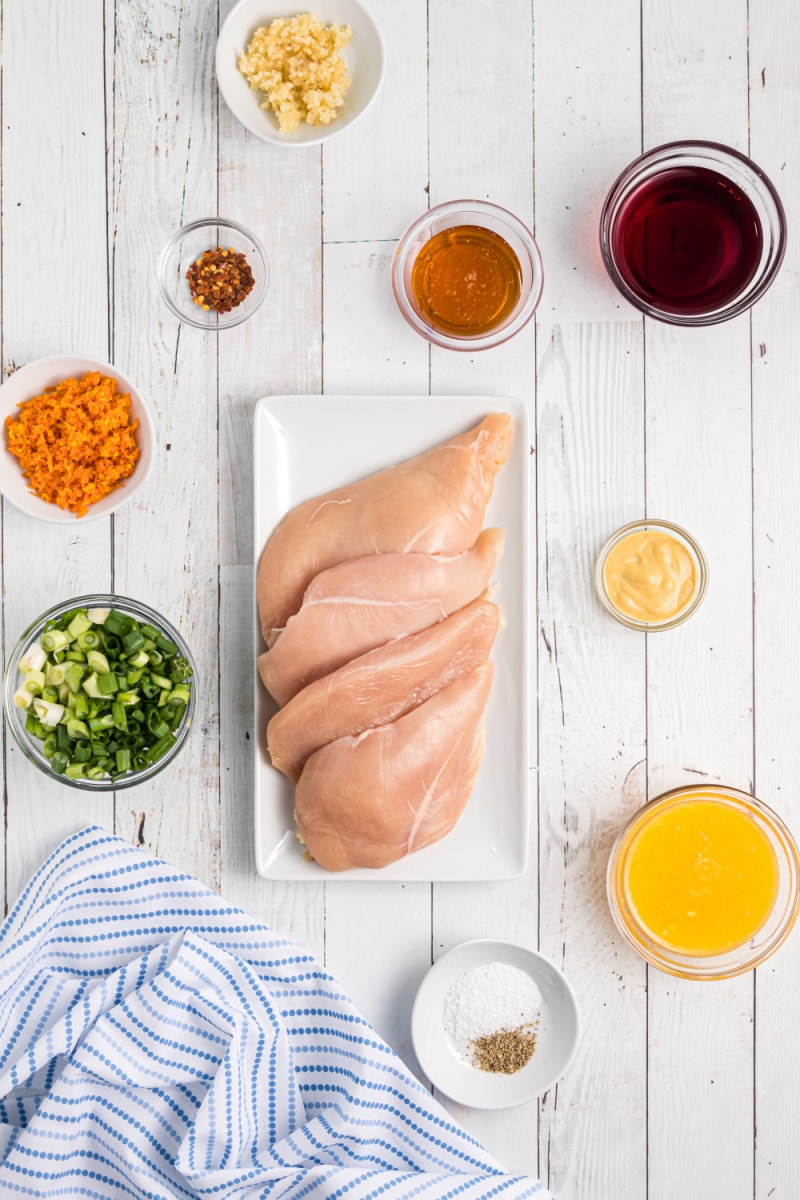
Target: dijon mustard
650,576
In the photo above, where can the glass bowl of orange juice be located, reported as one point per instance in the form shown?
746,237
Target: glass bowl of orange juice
704,882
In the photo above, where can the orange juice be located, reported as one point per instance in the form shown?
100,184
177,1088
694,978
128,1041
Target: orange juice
698,876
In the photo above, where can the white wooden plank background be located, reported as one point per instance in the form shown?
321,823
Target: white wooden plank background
113,134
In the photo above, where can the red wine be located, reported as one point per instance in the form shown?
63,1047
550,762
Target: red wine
687,241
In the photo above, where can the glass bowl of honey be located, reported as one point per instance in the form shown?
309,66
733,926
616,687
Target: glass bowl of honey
704,882
651,575
467,275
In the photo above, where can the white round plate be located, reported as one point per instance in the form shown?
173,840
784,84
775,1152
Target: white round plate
31,380
363,55
556,1040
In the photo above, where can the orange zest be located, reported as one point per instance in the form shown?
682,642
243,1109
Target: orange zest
75,442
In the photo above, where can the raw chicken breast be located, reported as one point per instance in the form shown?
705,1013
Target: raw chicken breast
433,503
363,603
366,801
382,685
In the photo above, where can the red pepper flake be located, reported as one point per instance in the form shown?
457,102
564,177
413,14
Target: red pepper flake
220,279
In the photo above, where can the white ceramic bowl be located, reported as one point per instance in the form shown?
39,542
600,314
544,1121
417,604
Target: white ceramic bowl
363,55
556,1040
31,380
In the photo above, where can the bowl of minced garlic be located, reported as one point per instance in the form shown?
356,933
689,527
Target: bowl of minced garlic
494,1024
77,439
651,575
295,79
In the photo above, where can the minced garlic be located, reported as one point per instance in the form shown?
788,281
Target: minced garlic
296,62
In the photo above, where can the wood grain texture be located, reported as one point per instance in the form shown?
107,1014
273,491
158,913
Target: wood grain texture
164,139
591,746
775,109
55,299
699,677
587,115
497,168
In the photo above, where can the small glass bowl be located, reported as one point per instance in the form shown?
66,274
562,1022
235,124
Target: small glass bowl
689,544
31,747
187,245
449,216
742,177
765,941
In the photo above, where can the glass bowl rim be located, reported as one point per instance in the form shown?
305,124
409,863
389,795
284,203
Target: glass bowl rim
678,531
27,744
779,833
497,335
174,241
719,152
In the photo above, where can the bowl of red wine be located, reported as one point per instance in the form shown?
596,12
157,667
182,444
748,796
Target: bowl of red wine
692,233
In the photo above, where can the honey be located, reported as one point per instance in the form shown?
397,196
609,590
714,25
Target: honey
699,876
466,280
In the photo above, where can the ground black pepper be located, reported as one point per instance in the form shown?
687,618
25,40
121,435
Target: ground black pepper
504,1052
220,279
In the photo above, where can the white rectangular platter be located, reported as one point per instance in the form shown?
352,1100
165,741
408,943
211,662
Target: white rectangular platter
307,445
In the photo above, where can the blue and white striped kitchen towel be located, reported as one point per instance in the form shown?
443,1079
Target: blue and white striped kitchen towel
155,1042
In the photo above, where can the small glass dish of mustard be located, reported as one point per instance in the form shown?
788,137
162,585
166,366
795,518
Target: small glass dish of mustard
704,882
467,275
651,575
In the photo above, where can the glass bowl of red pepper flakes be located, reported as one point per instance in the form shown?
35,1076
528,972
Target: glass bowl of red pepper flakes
213,273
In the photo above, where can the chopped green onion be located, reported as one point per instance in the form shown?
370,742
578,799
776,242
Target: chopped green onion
107,684
55,639
83,751
56,673
97,696
48,713
133,641
73,675
117,622
97,662
34,682
79,624
33,659
77,729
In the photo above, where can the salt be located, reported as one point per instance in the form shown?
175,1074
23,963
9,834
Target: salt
488,999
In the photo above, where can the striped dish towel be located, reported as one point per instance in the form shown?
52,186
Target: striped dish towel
155,1042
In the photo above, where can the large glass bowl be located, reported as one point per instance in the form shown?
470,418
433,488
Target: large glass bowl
739,959
733,175
32,747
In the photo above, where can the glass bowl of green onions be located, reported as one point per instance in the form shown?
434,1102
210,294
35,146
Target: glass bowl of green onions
100,692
